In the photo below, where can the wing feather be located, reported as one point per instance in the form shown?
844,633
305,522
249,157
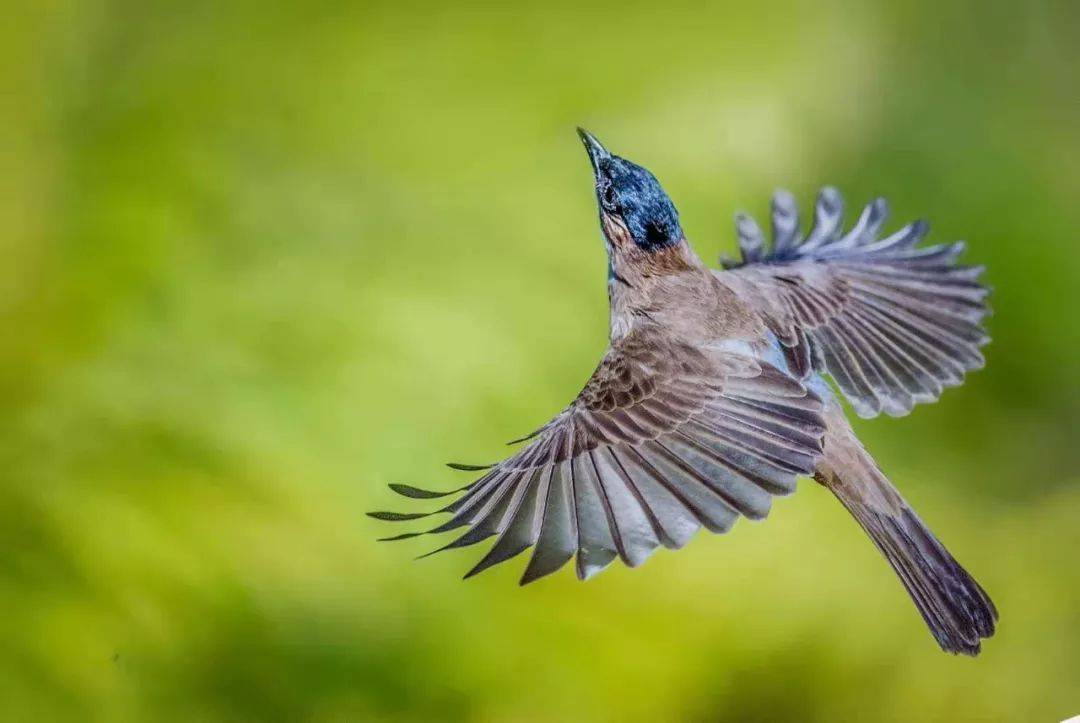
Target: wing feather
892,322
517,532
597,543
675,512
557,539
667,437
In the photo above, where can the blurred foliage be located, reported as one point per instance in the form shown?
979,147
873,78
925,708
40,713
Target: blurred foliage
262,258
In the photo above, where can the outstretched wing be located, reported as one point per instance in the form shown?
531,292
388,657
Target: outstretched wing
665,438
892,323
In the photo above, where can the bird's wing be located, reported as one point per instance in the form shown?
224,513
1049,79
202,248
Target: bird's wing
892,323
665,438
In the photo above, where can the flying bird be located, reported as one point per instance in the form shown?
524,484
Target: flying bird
712,395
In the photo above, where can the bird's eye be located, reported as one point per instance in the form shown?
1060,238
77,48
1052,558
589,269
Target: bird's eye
608,198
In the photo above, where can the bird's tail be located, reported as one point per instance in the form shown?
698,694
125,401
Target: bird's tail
957,610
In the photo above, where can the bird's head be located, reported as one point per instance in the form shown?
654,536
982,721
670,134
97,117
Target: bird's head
636,215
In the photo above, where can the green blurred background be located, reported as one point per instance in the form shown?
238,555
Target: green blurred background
260,259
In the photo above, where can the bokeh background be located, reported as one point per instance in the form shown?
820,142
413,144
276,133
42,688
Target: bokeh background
259,259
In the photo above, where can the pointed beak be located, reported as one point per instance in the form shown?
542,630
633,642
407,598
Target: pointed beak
594,148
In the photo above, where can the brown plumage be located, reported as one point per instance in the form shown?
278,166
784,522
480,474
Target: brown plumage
710,399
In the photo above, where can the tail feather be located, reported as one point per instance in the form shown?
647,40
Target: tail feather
957,610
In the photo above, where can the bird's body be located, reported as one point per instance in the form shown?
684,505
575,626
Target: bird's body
711,397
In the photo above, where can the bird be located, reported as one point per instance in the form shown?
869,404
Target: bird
713,395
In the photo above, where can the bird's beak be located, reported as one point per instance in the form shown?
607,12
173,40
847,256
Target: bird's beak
594,148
